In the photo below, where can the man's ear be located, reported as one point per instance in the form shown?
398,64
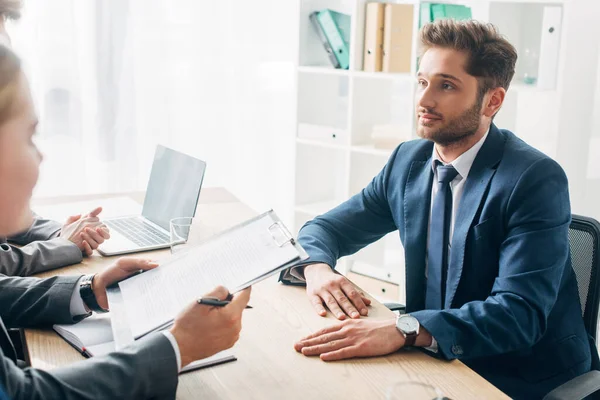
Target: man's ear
493,100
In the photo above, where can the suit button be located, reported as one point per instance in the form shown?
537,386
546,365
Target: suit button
457,350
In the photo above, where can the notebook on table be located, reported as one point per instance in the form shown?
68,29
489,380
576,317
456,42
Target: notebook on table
93,337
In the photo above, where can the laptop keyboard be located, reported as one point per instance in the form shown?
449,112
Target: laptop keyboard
138,231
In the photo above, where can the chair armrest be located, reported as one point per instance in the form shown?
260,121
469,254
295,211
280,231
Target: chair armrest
577,388
396,307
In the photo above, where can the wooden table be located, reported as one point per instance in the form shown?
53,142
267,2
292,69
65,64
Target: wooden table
268,367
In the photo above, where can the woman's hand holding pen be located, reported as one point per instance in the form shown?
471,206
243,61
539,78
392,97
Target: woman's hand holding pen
203,330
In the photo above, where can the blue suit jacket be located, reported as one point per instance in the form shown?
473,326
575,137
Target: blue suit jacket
513,312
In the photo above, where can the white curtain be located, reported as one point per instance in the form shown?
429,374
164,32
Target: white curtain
112,78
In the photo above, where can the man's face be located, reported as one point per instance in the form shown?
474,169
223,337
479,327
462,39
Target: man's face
448,107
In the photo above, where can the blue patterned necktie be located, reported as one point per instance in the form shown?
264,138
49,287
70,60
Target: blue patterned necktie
439,233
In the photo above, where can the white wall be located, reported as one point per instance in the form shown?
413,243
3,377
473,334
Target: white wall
578,148
233,102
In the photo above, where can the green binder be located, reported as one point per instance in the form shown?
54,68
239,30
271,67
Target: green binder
336,28
454,11
430,12
425,14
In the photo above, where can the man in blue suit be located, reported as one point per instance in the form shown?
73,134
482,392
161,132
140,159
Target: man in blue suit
484,221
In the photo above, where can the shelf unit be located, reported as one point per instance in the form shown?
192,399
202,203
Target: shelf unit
337,109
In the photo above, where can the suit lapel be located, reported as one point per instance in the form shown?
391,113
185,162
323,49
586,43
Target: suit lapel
6,344
417,199
476,186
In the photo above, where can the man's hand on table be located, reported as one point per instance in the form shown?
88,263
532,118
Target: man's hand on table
325,287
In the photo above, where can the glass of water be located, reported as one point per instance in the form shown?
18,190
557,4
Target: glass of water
181,229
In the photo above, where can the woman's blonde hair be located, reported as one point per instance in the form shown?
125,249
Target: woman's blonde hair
11,9
10,74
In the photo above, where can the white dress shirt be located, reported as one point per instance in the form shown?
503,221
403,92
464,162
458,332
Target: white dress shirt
462,165
77,308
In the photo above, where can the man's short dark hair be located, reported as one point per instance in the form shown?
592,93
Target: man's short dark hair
490,57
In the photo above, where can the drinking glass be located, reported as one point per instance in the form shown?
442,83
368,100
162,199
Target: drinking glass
182,232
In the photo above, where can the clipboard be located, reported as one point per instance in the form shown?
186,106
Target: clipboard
263,244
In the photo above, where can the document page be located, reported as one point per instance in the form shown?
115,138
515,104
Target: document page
231,259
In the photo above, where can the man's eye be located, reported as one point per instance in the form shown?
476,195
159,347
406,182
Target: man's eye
447,86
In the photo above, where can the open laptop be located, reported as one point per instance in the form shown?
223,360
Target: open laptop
173,191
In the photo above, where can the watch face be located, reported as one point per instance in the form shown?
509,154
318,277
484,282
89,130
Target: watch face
407,324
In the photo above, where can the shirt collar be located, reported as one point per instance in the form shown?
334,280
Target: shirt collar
464,162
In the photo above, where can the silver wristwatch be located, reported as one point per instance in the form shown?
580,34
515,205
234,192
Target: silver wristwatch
408,327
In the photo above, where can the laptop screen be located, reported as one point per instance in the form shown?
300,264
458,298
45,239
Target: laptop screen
174,186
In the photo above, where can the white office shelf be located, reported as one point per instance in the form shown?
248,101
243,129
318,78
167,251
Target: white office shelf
371,149
322,144
322,70
380,75
520,87
337,111
305,69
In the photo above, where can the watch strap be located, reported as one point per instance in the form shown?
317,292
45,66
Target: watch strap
87,294
410,339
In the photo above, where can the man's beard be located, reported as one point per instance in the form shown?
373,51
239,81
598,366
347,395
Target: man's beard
458,129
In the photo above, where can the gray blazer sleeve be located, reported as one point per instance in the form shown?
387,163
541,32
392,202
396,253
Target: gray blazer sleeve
34,302
42,250
40,229
147,369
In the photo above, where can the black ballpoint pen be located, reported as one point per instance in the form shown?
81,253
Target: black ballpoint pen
213,301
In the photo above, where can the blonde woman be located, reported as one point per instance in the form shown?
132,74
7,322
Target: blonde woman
146,369
46,244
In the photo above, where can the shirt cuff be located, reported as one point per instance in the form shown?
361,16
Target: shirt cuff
173,341
77,307
434,346
294,275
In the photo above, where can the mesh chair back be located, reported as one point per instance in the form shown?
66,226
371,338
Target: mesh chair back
584,240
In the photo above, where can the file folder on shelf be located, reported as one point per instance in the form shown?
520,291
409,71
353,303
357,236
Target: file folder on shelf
424,14
397,37
454,11
333,29
373,52
430,12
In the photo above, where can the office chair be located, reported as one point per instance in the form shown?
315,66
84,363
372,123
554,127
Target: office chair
584,240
